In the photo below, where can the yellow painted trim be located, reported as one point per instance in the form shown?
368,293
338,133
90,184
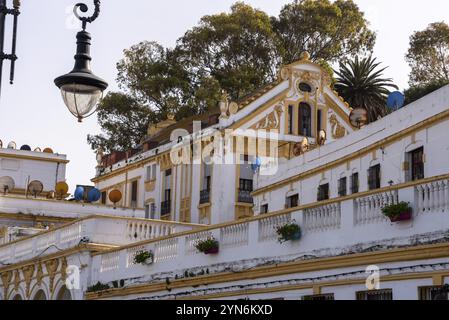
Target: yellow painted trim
36,158
364,151
433,251
35,218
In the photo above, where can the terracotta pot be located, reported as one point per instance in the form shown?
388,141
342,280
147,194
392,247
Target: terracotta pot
405,216
212,251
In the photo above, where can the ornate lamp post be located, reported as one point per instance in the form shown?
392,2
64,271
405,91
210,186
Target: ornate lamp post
80,88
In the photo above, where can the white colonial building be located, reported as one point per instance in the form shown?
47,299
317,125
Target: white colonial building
332,186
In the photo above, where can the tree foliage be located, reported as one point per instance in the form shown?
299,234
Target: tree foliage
327,30
418,91
238,51
362,85
428,55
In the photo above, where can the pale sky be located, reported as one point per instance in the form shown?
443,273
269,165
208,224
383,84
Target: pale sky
32,111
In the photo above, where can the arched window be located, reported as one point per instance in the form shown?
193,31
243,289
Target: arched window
17,297
305,120
64,294
40,295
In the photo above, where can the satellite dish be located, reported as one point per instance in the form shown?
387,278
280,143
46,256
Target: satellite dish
48,150
322,137
61,189
25,147
12,145
35,188
94,195
115,196
37,150
395,100
256,165
79,194
358,117
6,184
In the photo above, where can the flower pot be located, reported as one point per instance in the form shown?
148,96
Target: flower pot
405,216
148,261
296,236
212,251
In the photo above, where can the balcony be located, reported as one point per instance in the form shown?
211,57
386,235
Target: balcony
165,207
204,196
93,230
324,225
245,196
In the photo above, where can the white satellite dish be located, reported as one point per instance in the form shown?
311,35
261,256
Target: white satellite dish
35,188
7,184
12,145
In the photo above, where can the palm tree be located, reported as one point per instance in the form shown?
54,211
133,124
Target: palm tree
362,86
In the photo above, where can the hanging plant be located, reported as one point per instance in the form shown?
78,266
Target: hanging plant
144,257
398,212
208,246
289,232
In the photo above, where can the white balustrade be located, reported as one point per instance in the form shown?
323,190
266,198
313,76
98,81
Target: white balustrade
166,249
192,240
322,218
267,226
110,261
234,235
432,196
369,209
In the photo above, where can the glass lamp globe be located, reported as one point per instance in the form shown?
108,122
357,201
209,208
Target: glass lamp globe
81,99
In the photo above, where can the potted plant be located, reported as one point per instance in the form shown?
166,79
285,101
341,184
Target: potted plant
208,246
398,212
144,257
289,232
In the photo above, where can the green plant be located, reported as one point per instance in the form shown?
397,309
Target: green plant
207,244
98,287
142,256
395,210
288,232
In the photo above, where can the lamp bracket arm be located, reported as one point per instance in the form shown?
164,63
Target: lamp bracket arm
84,8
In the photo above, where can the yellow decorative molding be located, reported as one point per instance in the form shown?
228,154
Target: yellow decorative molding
337,130
272,121
362,259
364,151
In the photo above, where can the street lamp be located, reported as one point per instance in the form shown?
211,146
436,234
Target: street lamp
81,89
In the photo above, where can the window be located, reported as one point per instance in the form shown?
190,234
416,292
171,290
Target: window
134,193
433,293
207,177
148,174
319,297
355,183
104,197
305,87
386,294
342,187
292,201
319,121
374,177
153,172
417,164
147,211
246,185
264,209
323,192
305,119
290,119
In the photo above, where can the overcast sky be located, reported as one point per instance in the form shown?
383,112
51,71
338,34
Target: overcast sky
32,111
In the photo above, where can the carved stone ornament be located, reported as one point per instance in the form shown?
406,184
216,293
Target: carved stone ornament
338,131
272,121
28,273
52,267
6,281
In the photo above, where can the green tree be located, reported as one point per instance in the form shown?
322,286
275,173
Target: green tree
362,85
428,55
123,120
330,31
238,49
418,91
